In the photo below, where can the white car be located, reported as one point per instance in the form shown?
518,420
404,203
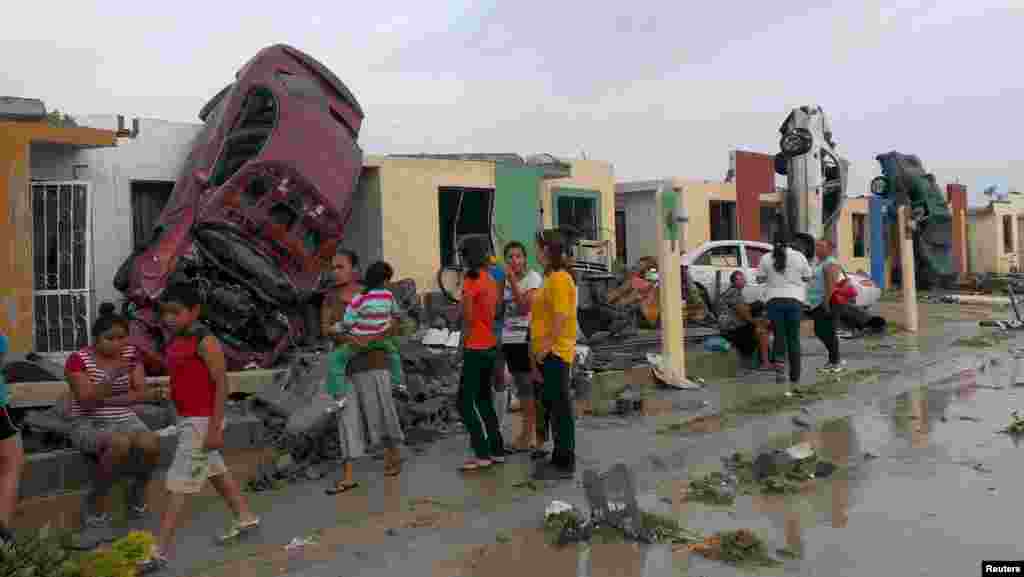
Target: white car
719,258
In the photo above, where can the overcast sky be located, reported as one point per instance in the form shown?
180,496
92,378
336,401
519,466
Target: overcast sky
667,90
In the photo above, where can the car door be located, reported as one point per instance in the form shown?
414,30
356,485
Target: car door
721,258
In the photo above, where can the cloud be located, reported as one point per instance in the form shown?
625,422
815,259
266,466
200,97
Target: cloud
658,89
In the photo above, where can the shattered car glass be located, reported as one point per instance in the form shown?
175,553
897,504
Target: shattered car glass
259,207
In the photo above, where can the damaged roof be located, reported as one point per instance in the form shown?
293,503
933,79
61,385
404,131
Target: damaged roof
14,108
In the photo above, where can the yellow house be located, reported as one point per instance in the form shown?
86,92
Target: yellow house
711,208
994,236
410,210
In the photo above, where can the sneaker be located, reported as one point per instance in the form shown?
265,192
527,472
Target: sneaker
833,367
239,528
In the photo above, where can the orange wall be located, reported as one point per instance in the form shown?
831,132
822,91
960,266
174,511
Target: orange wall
16,263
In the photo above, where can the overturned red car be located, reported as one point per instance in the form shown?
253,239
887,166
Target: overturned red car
260,204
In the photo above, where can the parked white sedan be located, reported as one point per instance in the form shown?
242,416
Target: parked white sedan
718,259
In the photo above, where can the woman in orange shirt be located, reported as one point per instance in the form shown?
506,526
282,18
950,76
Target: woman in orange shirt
553,341
480,351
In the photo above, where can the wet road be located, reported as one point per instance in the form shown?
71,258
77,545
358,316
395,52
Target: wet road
939,495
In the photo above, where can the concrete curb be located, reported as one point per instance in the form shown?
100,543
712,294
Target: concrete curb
68,470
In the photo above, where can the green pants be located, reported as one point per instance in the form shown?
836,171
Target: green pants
337,374
476,403
558,411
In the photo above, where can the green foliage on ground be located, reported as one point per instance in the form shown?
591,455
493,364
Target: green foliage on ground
1016,426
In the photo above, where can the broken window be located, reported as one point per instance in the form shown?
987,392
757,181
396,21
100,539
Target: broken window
148,200
249,136
462,212
580,213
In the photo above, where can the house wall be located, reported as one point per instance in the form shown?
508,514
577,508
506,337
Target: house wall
985,229
638,200
844,249
517,207
641,234
409,210
157,153
593,175
16,261
364,232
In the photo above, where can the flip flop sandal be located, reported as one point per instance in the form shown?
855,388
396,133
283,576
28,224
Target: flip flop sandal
515,450
340,488
538,454
474,465
239,529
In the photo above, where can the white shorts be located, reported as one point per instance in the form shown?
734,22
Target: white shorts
192,464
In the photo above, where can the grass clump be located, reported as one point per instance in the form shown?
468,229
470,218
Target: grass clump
662,529
561,523
1016,426
711,489
742,547
39,553
986,341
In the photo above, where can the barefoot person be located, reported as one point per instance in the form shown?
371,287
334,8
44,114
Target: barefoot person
106,379
196,364
520,285
553,346
479,302
12,456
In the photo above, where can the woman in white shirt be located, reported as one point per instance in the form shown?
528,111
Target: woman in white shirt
520,284
786,273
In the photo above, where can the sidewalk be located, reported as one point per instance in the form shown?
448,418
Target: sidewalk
431,513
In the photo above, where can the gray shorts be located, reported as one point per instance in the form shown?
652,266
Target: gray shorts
87,433
192,464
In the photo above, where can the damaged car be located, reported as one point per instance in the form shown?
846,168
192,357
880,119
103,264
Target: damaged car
259,207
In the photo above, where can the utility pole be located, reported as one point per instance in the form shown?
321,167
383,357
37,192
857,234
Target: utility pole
670,231
906,236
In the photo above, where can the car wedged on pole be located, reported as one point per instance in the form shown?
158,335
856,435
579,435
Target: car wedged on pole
260,205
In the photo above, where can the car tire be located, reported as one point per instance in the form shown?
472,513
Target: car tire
796,142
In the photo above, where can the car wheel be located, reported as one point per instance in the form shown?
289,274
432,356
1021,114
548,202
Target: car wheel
796,142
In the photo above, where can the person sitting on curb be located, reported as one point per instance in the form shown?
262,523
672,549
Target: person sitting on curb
741,323
105,380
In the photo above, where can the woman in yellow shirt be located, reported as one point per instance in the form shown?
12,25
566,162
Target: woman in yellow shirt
553,348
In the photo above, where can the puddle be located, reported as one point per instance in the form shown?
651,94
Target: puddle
926,469
524,552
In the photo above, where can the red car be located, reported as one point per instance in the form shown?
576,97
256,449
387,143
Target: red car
261,202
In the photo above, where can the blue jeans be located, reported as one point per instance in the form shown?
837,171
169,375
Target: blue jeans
785,315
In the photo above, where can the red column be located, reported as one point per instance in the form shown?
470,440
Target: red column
755,175
956,195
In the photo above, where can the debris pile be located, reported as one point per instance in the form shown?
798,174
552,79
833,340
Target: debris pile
613,512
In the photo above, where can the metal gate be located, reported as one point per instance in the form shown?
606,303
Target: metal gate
61,243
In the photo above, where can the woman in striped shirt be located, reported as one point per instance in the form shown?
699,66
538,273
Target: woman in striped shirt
106,379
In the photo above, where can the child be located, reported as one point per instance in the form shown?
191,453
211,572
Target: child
369,320
195,362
